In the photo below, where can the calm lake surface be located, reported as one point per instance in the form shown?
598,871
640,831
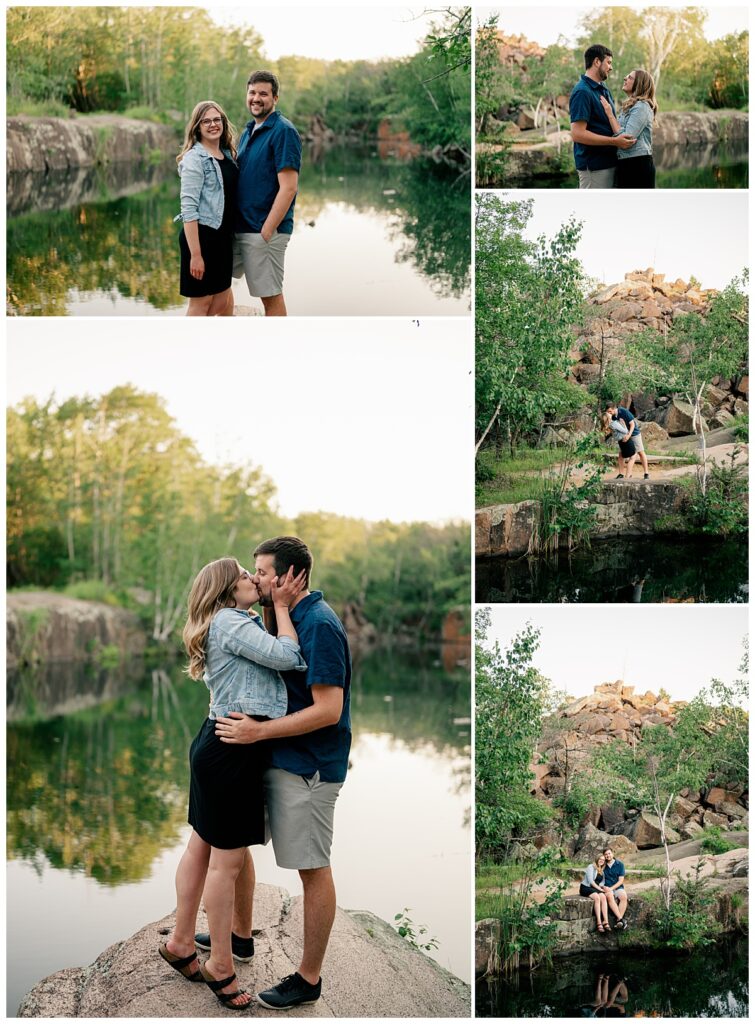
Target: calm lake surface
710,983
372,237
97,779
638,569
721,166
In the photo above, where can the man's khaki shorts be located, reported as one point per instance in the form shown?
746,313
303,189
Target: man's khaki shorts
638,445
300,818
260,262
595,179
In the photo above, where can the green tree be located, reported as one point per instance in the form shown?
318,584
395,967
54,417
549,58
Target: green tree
650,773
697,349
511,697
528,299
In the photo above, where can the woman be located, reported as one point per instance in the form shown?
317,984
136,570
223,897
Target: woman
209,177
229,648
635,168
628,452
589,887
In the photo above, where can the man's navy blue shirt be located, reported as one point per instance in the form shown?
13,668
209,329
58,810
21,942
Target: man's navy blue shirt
585,105
628,420
325,648
612,874
273,147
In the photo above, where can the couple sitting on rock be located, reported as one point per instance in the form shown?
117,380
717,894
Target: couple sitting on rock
603,883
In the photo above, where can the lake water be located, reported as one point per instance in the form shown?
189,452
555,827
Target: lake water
372,237
724,165
97,794
710,983
637,569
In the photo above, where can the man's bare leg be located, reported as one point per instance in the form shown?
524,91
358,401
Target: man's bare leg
621,899
319,914
244,899
274,306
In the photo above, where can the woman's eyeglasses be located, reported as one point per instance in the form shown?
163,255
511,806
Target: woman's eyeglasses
209,121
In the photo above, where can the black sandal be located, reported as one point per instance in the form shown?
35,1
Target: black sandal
180,963
225,997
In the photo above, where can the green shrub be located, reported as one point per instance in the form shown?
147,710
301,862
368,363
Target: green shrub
92,590
722,510
741,428
36,108
714,842
689,921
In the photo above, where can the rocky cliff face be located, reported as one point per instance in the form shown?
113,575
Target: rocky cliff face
54,143
46,627
621,510
614,712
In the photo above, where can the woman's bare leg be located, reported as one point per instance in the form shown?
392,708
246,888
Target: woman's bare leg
219,304
604,907
595,898
200,307
190,880
222,873
244,898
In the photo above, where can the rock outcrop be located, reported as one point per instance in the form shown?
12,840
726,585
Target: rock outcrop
615,712
638,510
43,626
56,143
576,931
369,971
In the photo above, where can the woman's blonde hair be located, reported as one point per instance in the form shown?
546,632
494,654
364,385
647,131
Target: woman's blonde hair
212,590
597,858
193,132
643,89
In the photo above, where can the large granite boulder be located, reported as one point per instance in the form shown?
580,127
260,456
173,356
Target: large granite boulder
369,971
644,831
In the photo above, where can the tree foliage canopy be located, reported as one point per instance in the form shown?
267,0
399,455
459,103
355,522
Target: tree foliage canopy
107,488
528,299
164,60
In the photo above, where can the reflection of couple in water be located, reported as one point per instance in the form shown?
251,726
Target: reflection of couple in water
610,999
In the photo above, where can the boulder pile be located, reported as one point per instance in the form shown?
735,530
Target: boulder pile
614,712
645,299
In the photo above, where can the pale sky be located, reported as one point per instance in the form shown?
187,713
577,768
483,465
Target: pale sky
677,647
369,418
333,32
679,233
544,25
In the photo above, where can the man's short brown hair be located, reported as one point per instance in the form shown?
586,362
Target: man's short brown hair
287,551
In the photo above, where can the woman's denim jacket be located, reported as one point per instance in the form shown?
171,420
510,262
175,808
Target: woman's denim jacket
637,121
243,664
202,194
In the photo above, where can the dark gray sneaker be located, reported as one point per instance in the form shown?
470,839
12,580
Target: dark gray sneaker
292,991
242,949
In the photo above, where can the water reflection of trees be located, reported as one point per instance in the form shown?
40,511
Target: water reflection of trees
651,570
104,790
128,245
708,983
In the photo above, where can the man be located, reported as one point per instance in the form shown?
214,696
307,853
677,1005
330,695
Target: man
594,142
309,758
269,159
613,886
618,412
